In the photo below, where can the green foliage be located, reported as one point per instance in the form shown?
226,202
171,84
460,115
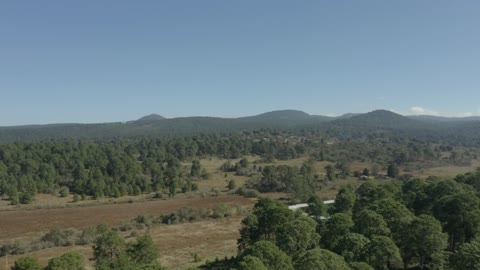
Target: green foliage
460,215
270,255
297,236
251,263
467,256
316,208
68,261
384,234
423,242
382,253
321,259
343,169
353,247
195,170
392,171
60,237
344,201
361,266
64,191
26,197
154,266
370,223
232,185
26,263
335,227
330,172
143,251
109,251
264,223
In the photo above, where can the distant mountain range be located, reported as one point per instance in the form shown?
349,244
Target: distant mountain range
157,125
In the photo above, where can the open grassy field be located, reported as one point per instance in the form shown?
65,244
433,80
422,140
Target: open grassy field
43,256
447,171
24,223
177,244
208,239
217,179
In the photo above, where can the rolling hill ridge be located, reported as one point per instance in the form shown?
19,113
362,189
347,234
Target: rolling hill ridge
157,125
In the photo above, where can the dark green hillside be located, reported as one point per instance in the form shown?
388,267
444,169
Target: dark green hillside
285,115
440,119
380,119
151,117
349,126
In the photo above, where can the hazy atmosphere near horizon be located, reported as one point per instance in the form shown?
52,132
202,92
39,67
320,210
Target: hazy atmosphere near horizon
106,61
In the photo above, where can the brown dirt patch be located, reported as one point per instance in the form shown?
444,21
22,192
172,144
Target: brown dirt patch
24,223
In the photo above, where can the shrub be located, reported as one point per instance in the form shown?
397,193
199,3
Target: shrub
26,263
221,210
64,191
247,192
68,261
232,185
26,197
87,236
60,237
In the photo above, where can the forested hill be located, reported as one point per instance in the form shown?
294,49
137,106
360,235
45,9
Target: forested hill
158,126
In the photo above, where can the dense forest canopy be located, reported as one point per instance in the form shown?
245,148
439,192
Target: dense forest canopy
132,158
417,224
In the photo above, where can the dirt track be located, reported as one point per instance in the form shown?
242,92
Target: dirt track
23,223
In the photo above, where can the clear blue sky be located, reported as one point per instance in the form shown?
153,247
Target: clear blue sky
99,61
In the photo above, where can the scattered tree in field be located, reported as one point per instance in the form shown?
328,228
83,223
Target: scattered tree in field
232,185
109,251
343,168
330,172
195,170
392,171
143,251
26,263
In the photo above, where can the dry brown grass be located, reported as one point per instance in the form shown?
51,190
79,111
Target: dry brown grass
43,256
217,179
208,239
22,223
447,171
